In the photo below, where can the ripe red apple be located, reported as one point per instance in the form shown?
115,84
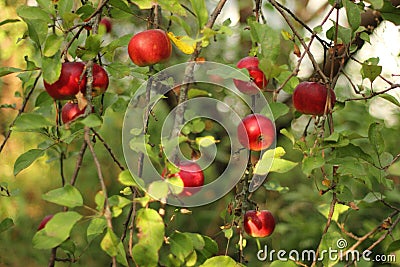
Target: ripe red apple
256,132
100,80
259,223
70,112
149,47
191,175
310,98
45,220
256,75
106,22
69,83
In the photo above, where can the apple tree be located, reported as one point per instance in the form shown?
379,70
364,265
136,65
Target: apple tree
199,133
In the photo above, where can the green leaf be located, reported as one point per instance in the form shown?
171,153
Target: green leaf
47,6
365,36
33,13
64,7
279,263
172,6
200,9
225,261
67,196
330,241
56,231
370,69
92,47
8,70
4,22
394,246
289,135
92,120
125,177
181,245
339,209
158,189
352,151
143,4
311,163
291,84
206,141
372,197
121,5
210,249
271,162
52,45
391,99
194,92
96,227
85,11
109,244
376,4
37,31
390,12
151,237
278,109
376,138
197,240
26,159
344,34
353,14
6,224
51,67
275,186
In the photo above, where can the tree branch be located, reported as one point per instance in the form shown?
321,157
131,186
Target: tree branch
20,111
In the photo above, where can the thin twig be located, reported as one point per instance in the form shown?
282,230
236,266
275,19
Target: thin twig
300,38
107,209
20,111
109,150
78,163
296,18
327,225
188,76
373,94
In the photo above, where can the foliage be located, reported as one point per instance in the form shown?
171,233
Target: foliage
331,177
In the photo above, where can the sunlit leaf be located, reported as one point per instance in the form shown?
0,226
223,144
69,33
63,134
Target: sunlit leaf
26,159
67,195
56,231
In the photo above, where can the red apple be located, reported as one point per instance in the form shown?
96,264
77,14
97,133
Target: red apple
256,132
69,83
256,75
259,223
70,112
191,175
106,22
100,80
45,220
149,47
310,98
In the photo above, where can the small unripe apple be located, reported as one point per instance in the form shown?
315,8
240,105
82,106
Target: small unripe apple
149,47
310,98
256,132
106,22
69,83
70,111
259,223
191,175
45,220
256,75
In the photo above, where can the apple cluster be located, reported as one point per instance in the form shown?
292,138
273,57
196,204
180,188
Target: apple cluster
255,132
72,80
